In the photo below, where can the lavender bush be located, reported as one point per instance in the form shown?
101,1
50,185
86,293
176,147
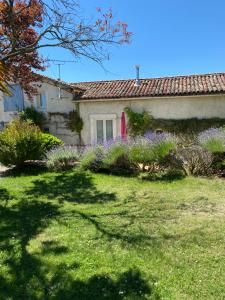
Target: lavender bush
119,156
140,152
62,158
213,140
92,158
116,158
161,144
151,148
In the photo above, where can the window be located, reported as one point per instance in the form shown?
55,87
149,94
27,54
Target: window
16,101
41,102
109,129
100,131
103,127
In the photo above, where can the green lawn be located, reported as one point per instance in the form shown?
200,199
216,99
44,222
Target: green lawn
91,236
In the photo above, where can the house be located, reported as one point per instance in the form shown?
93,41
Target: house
101,103
54,98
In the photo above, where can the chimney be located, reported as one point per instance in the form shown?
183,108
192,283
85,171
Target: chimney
137,82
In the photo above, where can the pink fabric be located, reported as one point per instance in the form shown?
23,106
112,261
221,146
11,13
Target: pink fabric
123,126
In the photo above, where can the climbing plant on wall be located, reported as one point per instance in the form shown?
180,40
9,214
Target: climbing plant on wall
75,122
138,123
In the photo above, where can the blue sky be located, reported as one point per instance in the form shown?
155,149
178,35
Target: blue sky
170,37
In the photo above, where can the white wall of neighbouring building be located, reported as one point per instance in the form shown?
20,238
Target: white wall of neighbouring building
55,109
201,107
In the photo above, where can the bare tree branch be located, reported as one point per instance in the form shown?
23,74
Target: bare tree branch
54,23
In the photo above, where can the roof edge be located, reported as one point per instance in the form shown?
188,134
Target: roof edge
149,78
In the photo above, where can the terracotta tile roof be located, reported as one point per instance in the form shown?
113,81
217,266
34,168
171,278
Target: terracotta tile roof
154,87
60,83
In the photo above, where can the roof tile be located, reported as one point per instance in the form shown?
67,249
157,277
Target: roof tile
154,87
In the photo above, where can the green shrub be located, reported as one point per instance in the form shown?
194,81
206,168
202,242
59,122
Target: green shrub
214,145
50,141
116,158
213,140
140,152
92,158
161,150
152,148
20,141
36,117
62,158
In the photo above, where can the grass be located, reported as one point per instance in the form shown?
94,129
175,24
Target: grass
93,236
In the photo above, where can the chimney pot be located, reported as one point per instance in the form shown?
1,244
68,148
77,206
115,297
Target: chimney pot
137,82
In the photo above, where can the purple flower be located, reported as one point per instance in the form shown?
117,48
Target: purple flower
212,133
157,138
118,140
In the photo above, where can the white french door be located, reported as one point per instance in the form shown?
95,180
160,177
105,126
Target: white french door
103,127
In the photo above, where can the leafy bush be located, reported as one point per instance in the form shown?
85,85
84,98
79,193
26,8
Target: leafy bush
192,160
213,140
20,141
50,141
161,144
116,158
152,148
36,117
62,158
140,152
92,158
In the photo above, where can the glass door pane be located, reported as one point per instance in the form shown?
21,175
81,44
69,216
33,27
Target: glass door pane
100,132
109,129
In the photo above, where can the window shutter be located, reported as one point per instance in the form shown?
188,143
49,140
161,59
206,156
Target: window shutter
16,101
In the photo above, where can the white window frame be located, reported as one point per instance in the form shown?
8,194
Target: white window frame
101,117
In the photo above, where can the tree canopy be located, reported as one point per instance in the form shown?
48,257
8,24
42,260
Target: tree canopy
29,25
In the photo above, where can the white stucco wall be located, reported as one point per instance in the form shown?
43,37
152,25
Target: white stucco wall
165,108
56,123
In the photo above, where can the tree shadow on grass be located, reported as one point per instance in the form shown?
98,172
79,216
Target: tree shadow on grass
128,285
118,232
4,196
25,275
19,224
75,187
28,169
78,187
